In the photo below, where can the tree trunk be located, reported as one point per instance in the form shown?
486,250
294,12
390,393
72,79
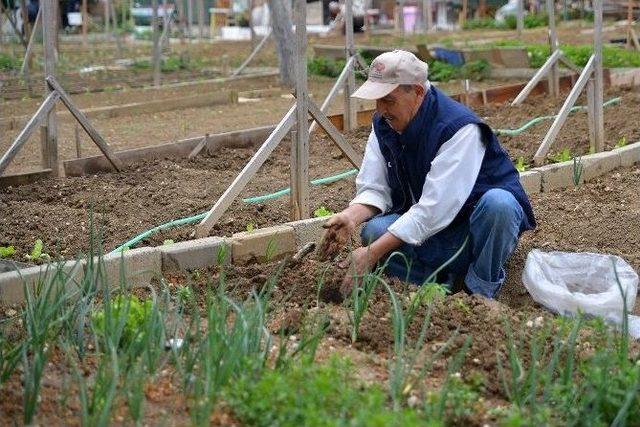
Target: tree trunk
283,34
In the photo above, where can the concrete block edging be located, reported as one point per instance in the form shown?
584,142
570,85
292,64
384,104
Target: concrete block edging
271,243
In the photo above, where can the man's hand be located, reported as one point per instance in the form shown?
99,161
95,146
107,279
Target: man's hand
359,262
339,228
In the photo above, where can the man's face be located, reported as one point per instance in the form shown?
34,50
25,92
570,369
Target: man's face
399,106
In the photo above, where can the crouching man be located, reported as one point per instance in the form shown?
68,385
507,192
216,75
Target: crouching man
434,182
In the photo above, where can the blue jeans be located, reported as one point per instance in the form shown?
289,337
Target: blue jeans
493,229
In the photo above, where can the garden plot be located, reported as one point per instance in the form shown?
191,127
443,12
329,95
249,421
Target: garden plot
154,192
276,343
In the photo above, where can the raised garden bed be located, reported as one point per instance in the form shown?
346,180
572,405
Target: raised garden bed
150,193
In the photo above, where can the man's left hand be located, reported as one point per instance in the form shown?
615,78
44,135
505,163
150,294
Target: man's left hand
359,262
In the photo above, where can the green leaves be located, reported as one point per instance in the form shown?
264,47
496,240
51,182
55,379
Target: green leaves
322,211
129,310
7,251
37,254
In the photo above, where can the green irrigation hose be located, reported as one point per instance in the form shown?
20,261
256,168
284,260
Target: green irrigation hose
514,132
319,181
188,220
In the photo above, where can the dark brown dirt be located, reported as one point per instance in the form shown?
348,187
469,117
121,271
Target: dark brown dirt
575,132
150,193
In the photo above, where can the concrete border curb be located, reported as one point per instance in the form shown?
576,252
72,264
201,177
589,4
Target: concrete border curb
143,264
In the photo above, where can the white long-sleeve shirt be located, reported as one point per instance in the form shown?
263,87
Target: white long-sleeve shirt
447,186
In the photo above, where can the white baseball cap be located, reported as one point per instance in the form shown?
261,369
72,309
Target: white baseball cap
390,70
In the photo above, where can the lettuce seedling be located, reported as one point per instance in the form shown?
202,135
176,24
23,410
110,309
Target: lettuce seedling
322,211
37,254
136,313
7,251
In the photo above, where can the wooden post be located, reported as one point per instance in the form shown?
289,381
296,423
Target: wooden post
520,17
591,120
400,16
26,64
107,18
25,19
554,76
156,44
629,23
427,19
189,17
76,131
350,112
300,156
463,13
201,19
49,138
598,78
85,23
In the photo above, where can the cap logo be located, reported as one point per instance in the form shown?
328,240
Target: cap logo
376,70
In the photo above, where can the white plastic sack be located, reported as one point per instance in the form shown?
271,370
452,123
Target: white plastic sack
566,282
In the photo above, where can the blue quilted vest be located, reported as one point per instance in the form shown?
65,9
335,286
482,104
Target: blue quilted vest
410,154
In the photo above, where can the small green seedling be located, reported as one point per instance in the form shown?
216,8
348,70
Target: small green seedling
563,156
37,254
7,251
250,227
322,211
168,242
577,170
136,313
621,142
185,294
520,166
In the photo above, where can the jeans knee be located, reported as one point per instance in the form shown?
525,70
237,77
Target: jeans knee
498,206
375,228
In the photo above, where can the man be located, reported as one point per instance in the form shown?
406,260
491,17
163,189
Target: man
434,181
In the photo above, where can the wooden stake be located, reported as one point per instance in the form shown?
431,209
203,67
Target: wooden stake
26,63
339,84
50,141
85,23
591,111
400,15
25,134
25,19
554,76
537,77
427,18
253,54
76,132
84,122
300,157
520,18
201,18
463,13
350,113
598,77
549,139
156,43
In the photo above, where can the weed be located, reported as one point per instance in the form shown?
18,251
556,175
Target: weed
168,242
185,295
360,296
322,211
621,142
250,227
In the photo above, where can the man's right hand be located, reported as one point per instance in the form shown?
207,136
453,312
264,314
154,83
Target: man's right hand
339,228
341,225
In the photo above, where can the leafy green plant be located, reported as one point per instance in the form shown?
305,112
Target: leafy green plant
128,310
621,143
475,70
7,251
326,394
250,227
8,62
520,165
322,211
185,295
37,254
562,156
168,242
